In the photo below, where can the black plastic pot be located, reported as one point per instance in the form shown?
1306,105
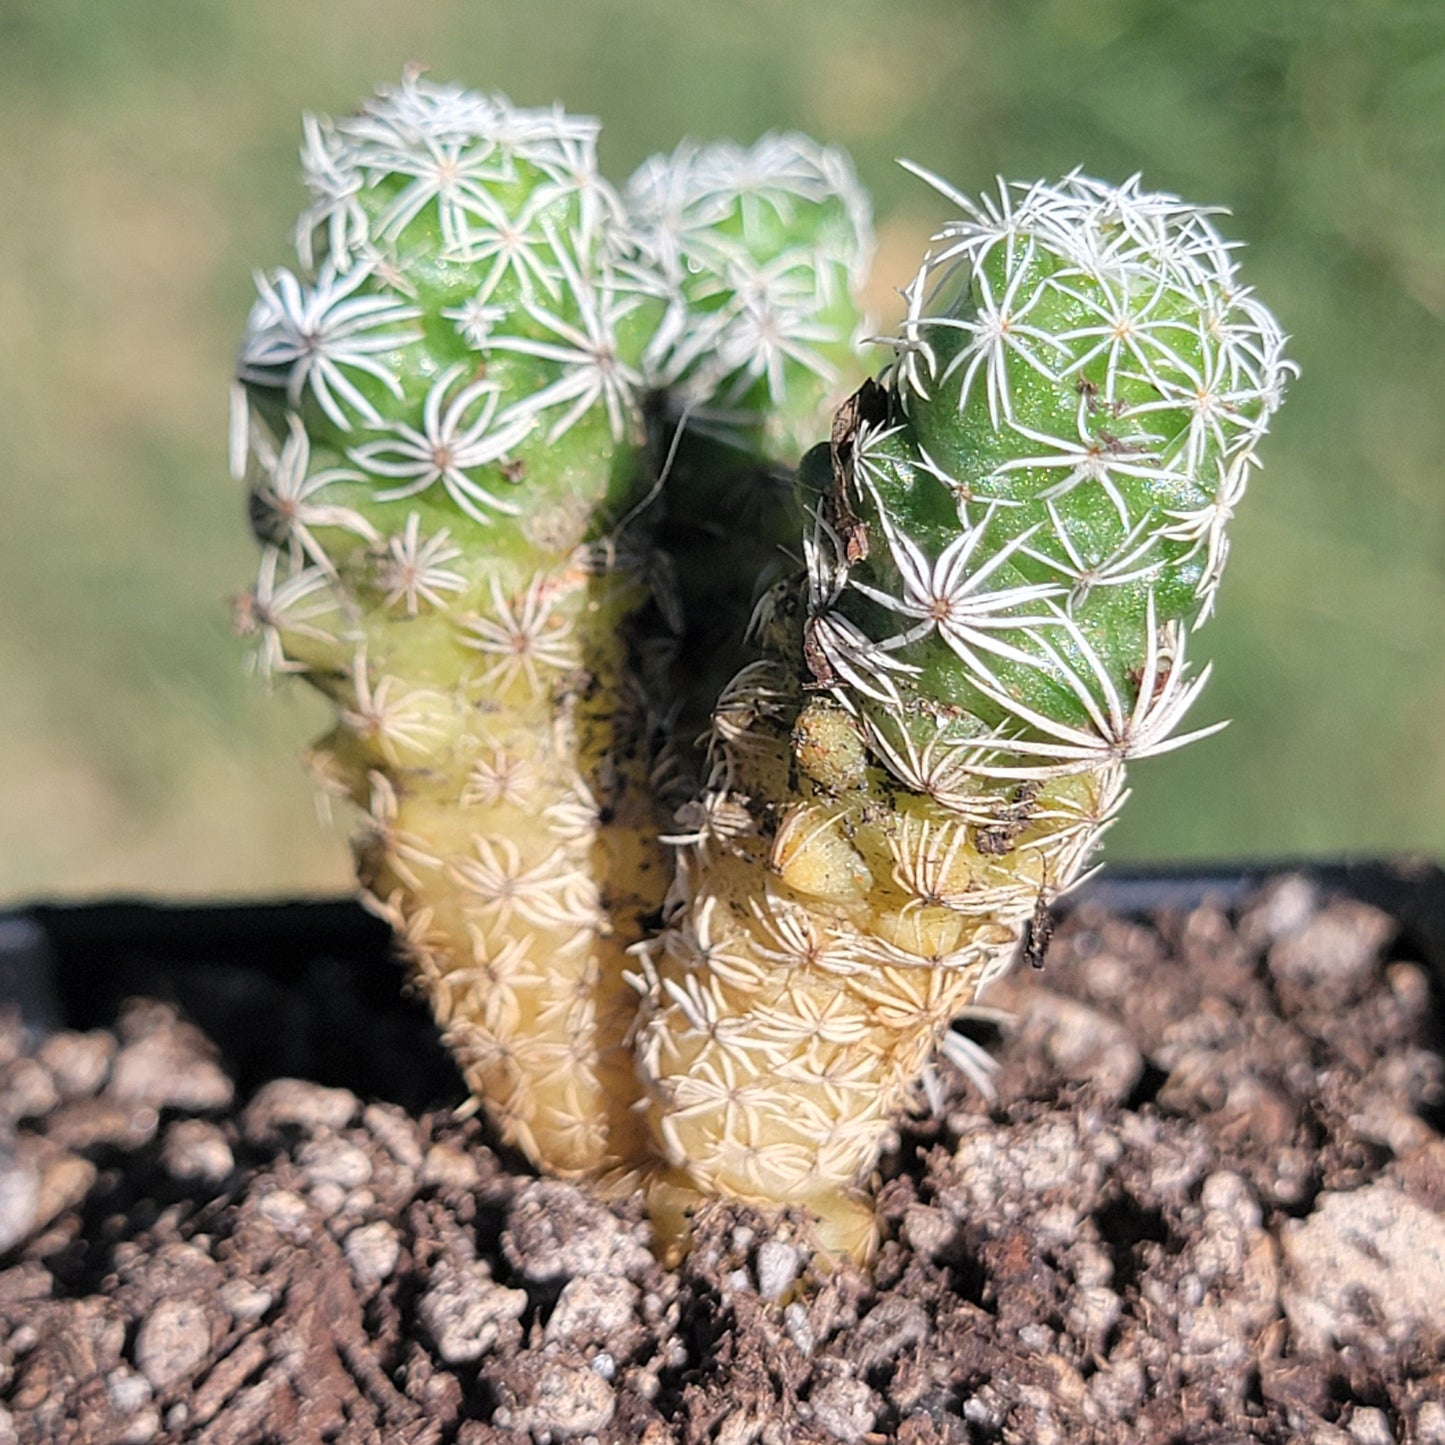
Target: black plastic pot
312,989
289,989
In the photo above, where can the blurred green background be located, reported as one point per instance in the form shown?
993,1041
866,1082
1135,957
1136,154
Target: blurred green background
147,163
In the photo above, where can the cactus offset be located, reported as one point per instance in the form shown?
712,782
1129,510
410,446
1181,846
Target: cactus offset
441,425
1012,537
767,248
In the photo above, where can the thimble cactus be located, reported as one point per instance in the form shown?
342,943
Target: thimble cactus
452,418
1013,535
440,420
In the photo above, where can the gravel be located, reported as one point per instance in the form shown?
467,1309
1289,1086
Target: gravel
1207,1203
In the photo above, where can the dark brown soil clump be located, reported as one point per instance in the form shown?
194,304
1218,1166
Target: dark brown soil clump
1207,1204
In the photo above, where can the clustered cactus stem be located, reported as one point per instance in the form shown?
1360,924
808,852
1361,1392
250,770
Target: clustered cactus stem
500,422
767,249
1011,538
441,422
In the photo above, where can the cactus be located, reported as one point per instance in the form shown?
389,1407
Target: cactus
440,421
766,249
1013,536
443,420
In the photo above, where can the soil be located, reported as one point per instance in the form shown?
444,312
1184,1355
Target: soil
1206,1203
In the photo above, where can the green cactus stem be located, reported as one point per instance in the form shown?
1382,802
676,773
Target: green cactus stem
767,248
1013,536
441,426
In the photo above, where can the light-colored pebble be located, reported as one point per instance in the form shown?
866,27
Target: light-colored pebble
1430,1423
1370,1426
396,1131
799,1327
554,1399
79,1063
360,1202
329,1201
893,1325
65,1179
1119,1389
1366,1268
168,1063
287,1211
1287,905
1091,1311
846,1409
120,1123
777,1267
19,1199
1079,1043
1336,953
195,1149
29,1090
142,1429
173,1341
1176,1161
449,1169
556,1231
1384,1119
38,1181
1063,1163
297,1104
127,1390
246,1301
592,1308
467,1313
1227,1288
928,1231
372,1251
330,1160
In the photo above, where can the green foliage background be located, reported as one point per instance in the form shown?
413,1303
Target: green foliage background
147,163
